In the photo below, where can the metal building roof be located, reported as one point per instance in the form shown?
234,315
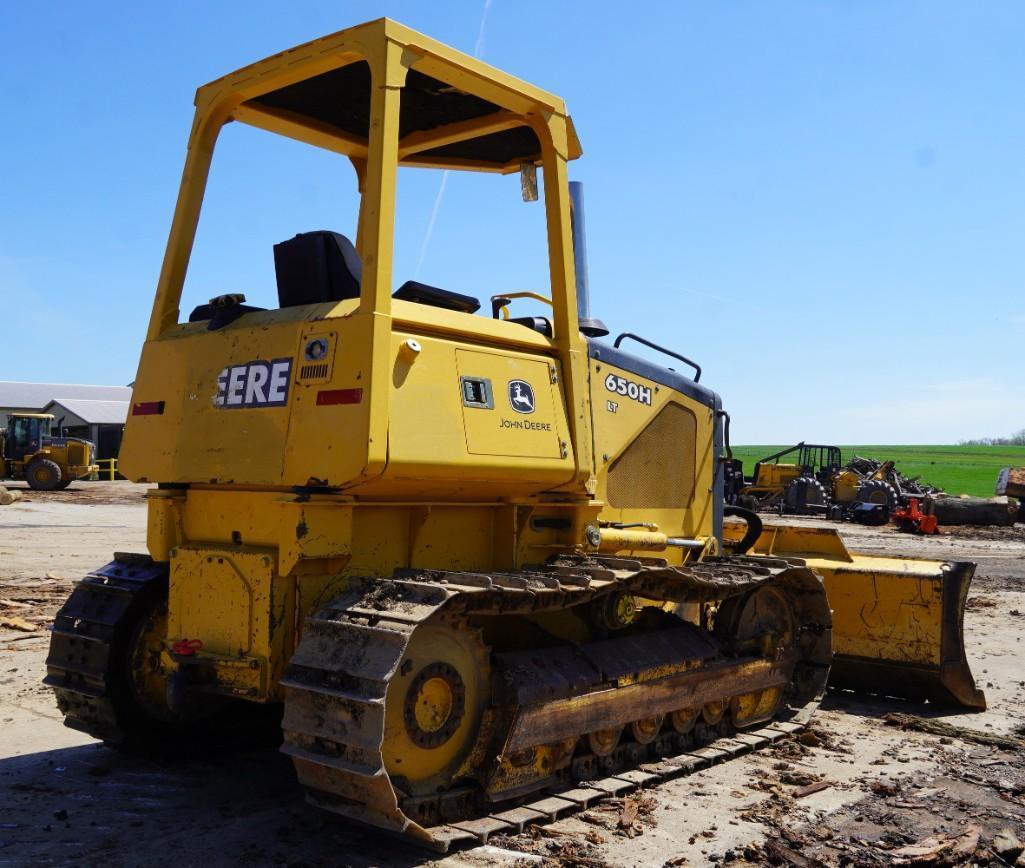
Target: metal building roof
92,412
38,395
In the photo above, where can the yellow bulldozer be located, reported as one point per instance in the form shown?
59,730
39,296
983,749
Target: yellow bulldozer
480,561
29,451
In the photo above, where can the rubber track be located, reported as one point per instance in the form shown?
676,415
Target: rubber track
336,683
79,663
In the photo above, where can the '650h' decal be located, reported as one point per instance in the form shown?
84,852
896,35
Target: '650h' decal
628,389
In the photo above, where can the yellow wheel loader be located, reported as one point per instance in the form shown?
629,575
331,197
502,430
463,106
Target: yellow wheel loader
479,560
813,481
801,484
29,451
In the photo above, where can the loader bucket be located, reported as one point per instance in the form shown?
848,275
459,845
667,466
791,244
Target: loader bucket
897,622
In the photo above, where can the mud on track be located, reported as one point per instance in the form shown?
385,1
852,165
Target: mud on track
855,789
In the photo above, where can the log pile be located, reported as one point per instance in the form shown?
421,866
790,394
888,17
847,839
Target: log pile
905,486
974,511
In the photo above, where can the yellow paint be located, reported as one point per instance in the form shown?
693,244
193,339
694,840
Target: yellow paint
845,486
149,677
774,477
883,608
376,461
110,470
233,602
618,421
74,458
433,705
425,768
269,511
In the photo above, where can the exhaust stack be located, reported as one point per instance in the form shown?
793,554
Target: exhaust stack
593,328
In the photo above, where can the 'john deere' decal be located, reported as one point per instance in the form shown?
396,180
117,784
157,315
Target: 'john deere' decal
521,396
254,384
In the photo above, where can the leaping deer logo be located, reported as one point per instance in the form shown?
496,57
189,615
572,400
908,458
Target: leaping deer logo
521,396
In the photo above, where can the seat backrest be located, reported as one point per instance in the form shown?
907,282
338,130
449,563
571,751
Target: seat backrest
434,296
540,324
315,267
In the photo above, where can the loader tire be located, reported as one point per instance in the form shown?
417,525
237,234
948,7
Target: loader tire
879,491
43,475
749,501
64,483
803,495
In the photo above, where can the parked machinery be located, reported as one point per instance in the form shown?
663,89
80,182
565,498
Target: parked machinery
29,451
1011,483
810,479
800,484
475,558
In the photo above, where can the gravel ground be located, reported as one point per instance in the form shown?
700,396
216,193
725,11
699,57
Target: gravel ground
856,790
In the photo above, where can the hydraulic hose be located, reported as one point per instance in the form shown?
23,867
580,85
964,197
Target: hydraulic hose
754,527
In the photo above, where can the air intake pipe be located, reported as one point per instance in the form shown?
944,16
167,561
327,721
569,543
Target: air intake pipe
593,328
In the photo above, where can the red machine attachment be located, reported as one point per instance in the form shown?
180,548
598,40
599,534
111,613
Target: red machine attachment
911,519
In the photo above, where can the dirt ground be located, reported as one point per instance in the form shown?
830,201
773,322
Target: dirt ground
855,790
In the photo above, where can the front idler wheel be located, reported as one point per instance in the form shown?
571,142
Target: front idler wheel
760,623
434,706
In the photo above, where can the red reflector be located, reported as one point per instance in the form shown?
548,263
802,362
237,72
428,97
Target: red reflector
186,647
339,396
148,408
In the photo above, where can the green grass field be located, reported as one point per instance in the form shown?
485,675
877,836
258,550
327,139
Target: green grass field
955,469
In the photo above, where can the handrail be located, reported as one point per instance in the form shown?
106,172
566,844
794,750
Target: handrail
647,343
500,302
111,470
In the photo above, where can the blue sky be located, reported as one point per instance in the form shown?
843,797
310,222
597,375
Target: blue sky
822,202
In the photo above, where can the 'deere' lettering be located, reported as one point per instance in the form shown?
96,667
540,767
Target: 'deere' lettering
254,384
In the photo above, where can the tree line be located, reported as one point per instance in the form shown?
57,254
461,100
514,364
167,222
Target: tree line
1016,439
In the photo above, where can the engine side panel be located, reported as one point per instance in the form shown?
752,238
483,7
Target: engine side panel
655,447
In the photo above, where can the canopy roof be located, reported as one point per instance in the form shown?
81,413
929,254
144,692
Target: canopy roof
456,112
35,396
92,412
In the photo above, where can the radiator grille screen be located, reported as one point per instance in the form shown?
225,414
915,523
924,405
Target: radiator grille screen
657,469
313,372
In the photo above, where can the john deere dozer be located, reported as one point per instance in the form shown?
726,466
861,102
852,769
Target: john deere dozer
478,559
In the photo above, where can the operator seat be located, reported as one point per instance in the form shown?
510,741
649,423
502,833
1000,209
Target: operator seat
434,296
316,267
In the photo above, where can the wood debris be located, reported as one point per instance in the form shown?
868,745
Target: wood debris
628,816
816,787
939,849
963,733
14,623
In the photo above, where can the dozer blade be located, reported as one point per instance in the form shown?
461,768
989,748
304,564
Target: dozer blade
897,622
